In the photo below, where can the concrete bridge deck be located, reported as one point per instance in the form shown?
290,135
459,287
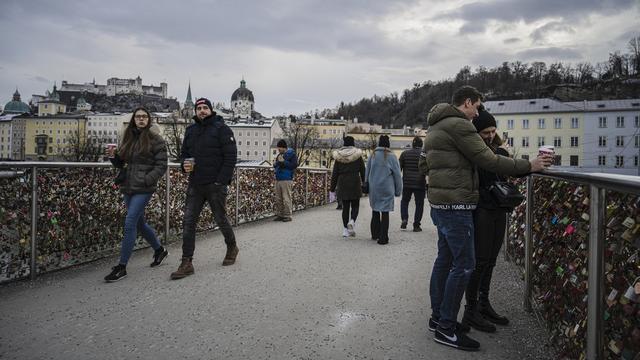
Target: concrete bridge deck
298,291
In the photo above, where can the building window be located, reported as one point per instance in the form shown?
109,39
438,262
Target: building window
256,143
540,140
636,141
525,123
264,143
255,153
264,153
620,121
557,123
637,121
541,124
510,124
525,157
602,160
602,122
602,141
557,160
239,133
619,161
510,141
619,141
557,141
239,152
635,161
248,153
525,141
573,160
239,143
574,141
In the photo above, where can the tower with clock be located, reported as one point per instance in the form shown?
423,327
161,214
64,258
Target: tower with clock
242,102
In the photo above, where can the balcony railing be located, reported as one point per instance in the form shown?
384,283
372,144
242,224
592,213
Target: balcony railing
55,215
578,241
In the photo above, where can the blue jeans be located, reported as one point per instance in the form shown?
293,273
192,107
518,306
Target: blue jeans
453,266
133,223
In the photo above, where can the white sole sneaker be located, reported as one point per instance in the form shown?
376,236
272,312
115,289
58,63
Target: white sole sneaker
351,228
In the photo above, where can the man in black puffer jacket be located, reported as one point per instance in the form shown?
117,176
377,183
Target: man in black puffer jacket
412,183
210,146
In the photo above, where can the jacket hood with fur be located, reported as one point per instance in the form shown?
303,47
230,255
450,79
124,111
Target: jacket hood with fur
347,154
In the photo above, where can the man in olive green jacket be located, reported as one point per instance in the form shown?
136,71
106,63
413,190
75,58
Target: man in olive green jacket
452,151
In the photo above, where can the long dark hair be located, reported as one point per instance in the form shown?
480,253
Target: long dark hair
134,139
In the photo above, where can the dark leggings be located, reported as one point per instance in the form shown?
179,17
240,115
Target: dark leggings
380,225
488,237
355,208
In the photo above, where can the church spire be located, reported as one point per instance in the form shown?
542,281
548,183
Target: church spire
188,102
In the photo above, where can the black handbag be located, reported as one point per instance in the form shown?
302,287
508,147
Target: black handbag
121,177
505,194
365,187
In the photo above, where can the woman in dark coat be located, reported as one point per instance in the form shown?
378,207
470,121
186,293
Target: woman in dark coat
348,176
489,228
143,156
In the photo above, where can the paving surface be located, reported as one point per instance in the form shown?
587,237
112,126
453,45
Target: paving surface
298,291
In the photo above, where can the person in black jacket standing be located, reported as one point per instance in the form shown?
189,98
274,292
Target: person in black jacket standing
209,156
412,183
142,157
347,176
489,228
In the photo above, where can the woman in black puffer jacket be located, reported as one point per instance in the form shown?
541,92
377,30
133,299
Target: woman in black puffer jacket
143,158
348,176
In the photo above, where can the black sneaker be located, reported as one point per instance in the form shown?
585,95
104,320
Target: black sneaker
158,256
403,225
117,272
433,325
473,318
416,228
456,339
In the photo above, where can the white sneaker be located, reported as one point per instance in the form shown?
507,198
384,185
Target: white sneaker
351,227
345,232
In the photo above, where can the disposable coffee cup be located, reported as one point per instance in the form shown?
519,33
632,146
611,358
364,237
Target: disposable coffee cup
191,161
546,150
111,150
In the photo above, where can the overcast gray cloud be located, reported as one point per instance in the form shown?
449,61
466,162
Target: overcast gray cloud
295,55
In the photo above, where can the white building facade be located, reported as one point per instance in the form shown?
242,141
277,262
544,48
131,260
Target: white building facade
12,132
611,135
106,128
253,138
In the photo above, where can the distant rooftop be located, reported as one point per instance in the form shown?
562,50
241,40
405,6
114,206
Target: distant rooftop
605,105
532,106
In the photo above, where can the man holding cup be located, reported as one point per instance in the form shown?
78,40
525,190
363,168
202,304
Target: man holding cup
209,157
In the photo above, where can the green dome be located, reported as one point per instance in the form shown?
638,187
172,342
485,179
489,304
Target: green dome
16,106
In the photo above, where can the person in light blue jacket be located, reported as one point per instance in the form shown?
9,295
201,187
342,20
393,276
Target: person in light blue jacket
385,183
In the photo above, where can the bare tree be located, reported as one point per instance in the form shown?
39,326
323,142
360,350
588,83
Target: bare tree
81,148
302,138
634,48
173,131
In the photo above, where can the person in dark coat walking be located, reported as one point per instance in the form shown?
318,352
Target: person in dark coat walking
413,183
490,221
143,158
209,156
348,176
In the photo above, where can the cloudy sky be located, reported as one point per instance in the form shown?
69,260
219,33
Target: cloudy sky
296,55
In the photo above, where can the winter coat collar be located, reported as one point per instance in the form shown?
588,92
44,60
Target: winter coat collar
443,111
347,154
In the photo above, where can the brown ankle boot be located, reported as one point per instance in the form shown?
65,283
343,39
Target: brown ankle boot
185,269
230,257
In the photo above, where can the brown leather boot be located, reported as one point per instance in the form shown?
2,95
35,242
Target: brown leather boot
230,257
185,269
